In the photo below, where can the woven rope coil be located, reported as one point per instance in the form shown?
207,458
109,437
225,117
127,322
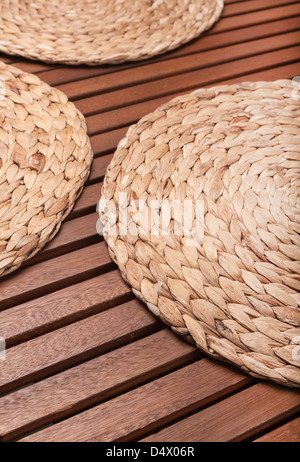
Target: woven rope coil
45,158
106,31
235,149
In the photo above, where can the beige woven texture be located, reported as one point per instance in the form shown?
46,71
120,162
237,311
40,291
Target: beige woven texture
106,31
45,158
235,293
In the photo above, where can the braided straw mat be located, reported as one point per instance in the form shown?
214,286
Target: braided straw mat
45,157
106,31
235,150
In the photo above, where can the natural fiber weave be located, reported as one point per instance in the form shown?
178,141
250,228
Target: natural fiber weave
235,294
106,31
45,157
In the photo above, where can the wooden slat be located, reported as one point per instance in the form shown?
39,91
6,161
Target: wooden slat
270,14
257,17
57,309
91,382
288,433
169,85
106,142
129,115
155,71
148,406
54,274
92,361
206,42
103,143
173,86
236,418
35,66
72,235
74,343
248,6
87,202
99,168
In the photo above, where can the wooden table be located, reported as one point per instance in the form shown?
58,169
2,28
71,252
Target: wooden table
85,360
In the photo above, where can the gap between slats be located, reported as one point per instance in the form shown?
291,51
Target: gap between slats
54,274
104,377
52,254
265,405
67,346
96,89
246,35
86,204
285,431
31,66
73,303
131,113
174,85
161,400
253,6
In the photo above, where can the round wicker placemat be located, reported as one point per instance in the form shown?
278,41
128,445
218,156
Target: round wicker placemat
234,292
45,158
93,32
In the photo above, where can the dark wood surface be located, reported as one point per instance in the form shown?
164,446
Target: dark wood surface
85,360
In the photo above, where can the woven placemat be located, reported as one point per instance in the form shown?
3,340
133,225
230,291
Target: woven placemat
45,158
230,283
110,31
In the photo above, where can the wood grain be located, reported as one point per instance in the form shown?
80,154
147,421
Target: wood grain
91,382
107,142
121,116
87,202
254,5
208,41
36,317
154,71
64,347
288,433
188,81
73,235
257,17
103,143
99,168
94,363
235,418
148,406
54,274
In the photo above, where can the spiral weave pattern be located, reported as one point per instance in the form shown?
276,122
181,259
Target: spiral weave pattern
106,31
235,293
45,158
